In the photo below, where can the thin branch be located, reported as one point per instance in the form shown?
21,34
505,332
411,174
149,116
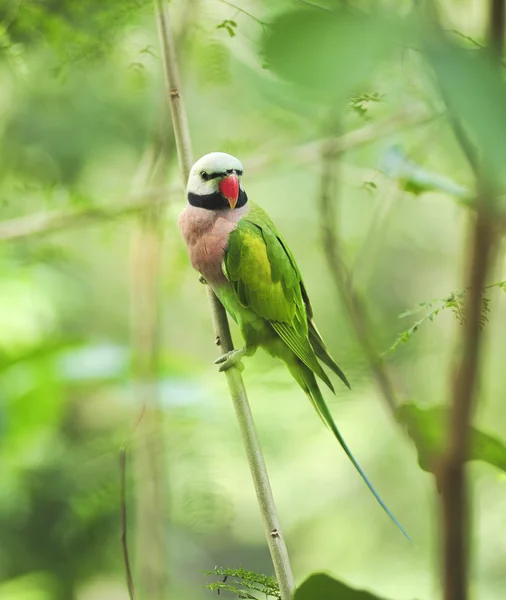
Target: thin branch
245,12
466,37
452,478
335,145
317,6
44,223
49,222
351,298
124,526
473,41
237,390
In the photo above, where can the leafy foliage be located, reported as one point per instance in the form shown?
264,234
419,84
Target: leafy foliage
359,103
455,302
427,429
75,29
244,584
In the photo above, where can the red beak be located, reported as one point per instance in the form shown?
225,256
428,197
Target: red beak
229,187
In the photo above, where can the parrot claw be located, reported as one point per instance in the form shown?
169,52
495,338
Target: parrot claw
231,359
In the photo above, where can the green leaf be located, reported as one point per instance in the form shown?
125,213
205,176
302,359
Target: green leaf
322,587
474,89
416,179
427,429
327,51
229,26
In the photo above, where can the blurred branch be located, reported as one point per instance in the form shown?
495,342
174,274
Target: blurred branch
472,41
352,299
43,223
336,145
258,469
452,480
496,28
452,474
153,501
150,452
124,526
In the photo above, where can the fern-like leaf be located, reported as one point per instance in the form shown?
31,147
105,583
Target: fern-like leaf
358,103
455,302
244,584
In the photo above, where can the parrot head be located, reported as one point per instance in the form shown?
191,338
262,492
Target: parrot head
215,183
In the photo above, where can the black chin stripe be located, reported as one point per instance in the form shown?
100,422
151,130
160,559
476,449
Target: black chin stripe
216,201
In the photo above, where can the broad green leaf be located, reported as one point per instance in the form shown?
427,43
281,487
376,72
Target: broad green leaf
327,51
322,587
474,89
415,178
427,429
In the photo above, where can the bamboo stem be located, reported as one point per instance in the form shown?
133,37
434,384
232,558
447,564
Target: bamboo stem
275,540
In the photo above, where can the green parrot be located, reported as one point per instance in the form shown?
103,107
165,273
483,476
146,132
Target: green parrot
238,250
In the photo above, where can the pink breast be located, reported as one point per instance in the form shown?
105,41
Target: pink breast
206,235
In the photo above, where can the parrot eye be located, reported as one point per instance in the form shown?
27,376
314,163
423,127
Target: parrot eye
204,175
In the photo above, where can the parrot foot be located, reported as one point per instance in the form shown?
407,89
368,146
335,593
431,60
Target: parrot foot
231,359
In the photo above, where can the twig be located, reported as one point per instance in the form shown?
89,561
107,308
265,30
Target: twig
451,475
473,41
352,300
124,522
245,12
237,390
466,37
454,301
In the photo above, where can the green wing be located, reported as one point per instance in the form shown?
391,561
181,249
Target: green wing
266,279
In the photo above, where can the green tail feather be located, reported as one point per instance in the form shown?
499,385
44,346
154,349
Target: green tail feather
322,353
306,379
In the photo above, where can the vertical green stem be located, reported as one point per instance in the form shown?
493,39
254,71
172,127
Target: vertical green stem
235,382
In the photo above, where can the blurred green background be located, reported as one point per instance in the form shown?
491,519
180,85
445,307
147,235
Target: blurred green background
105,334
